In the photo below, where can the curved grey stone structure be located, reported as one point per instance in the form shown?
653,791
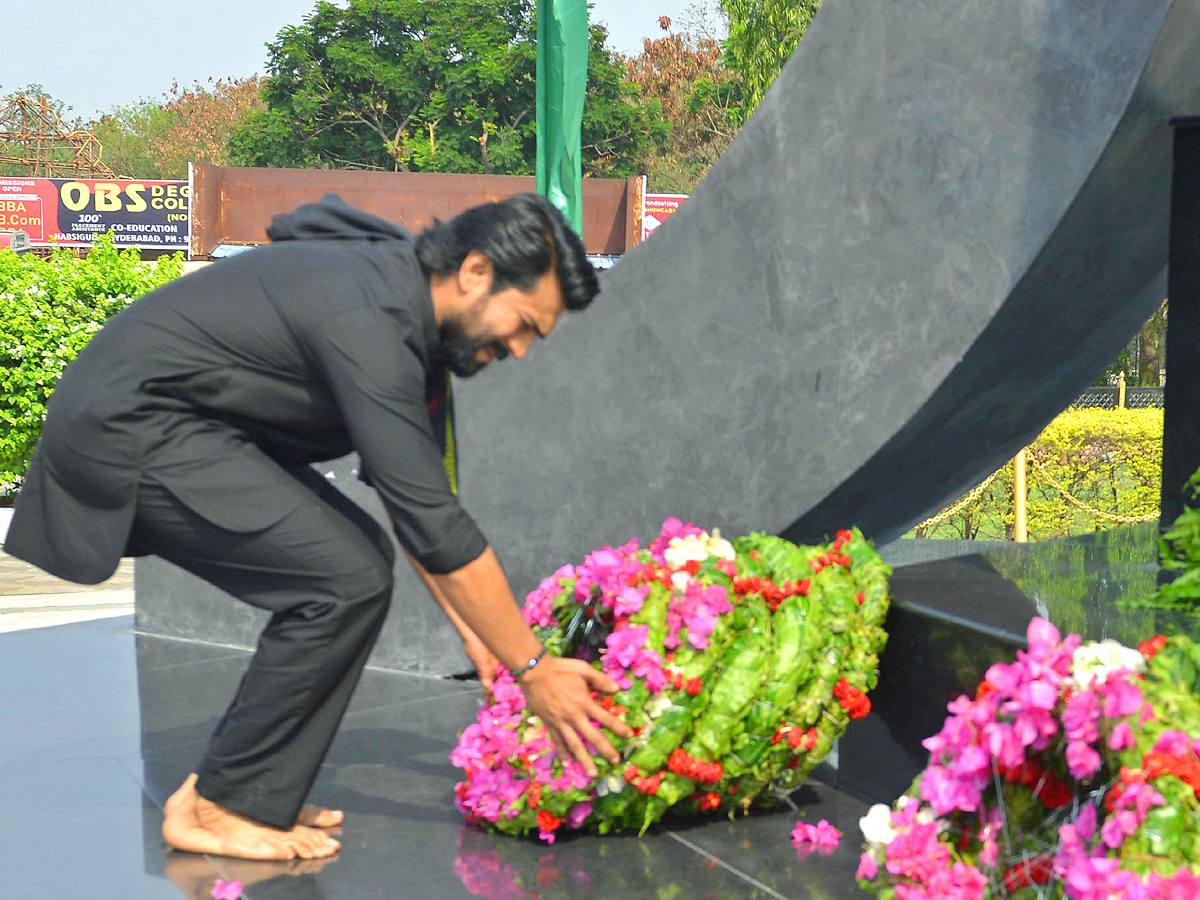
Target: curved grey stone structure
943,221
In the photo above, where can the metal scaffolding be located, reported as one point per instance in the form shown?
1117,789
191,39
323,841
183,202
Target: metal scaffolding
36,141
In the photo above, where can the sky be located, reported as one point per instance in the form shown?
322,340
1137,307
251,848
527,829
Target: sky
108,53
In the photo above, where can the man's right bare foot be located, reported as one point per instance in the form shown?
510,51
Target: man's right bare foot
196,825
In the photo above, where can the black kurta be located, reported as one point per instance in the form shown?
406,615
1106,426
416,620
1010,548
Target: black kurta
315,345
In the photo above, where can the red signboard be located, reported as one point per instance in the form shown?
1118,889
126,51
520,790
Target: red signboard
69,212
656,208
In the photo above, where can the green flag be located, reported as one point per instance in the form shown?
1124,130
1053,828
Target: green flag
562,52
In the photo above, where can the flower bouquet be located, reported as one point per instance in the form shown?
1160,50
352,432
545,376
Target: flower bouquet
1074,772
739,664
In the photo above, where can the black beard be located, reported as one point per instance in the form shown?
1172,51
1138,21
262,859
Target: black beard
456,350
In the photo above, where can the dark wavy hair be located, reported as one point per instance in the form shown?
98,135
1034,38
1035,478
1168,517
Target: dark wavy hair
523,236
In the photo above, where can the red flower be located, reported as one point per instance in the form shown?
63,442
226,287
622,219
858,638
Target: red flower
1028,872
631,772
535,794
861,598
1149,648
851,699
710,801
692,566
795,738
680,763
709,773
778,736
547,822
650,785
810,739
1051,791
845,536
693,686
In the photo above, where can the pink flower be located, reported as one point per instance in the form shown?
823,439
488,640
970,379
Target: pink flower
989,851
579,813
867,868
1183,885
1083,760
508,694
630,600
822,834
1121,698
624,644
1122,737
227,890
1117,827
1173,742
961,882
917,854
1096,878
946,793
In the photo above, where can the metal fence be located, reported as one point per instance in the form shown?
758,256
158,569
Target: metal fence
1109,397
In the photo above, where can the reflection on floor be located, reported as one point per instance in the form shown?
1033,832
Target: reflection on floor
101,724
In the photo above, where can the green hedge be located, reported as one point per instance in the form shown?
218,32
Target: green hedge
1109,459
50,308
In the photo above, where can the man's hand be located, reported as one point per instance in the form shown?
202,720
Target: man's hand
481,658
558,692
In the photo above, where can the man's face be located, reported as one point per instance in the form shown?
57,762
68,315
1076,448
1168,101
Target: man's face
494,325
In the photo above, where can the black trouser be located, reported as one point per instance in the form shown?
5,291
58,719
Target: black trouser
325,573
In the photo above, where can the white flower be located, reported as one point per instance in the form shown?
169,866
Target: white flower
659,705
876,825
698,547
1092,661
679,582
612,783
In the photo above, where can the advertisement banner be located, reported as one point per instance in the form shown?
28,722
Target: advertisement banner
69,212
656,208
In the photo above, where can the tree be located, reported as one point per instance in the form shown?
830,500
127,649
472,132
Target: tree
193,124
762,36
701,100
1142,359
128,135
408,85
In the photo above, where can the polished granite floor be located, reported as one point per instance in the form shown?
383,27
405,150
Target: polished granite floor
100,724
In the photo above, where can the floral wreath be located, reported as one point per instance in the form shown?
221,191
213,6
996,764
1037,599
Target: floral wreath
739,664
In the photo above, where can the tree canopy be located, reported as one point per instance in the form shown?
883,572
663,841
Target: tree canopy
151,139
408,85
762,36
701,100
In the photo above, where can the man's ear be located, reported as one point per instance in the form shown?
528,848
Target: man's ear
475,275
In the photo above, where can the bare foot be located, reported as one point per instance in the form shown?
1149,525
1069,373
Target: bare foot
196,825
316,817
